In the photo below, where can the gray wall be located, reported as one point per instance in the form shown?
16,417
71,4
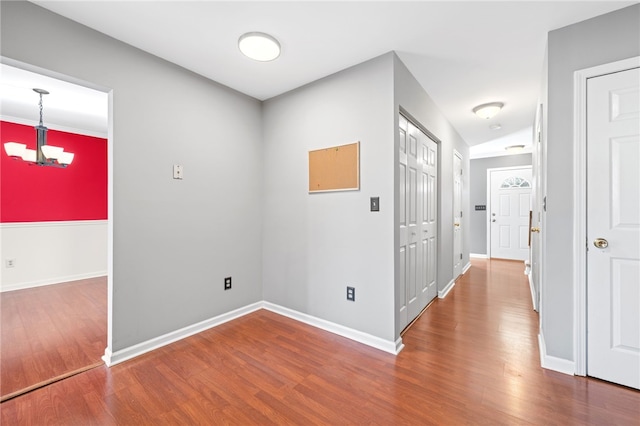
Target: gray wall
416,103
243,209
597,41
478,194
174,241
315,245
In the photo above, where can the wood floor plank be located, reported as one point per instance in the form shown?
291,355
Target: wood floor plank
471,358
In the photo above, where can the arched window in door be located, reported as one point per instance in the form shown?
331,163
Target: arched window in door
515,182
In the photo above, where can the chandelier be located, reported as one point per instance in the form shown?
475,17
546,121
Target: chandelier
43,155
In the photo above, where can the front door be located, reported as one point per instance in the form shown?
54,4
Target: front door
613,227
509,219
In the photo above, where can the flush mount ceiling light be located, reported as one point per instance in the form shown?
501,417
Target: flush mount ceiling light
514,148
487,111
43,155
259,46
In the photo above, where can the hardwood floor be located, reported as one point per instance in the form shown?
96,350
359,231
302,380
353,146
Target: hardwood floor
51,331
472,358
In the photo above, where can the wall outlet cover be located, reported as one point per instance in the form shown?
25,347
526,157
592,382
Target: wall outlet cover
177,171
351,294
227,283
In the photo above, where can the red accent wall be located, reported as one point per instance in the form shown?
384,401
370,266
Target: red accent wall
31,193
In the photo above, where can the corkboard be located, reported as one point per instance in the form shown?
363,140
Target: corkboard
335,169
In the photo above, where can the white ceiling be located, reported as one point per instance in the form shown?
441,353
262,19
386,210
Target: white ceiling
462,53
67,107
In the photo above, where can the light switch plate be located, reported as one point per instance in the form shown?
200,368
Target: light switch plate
177,171
375,204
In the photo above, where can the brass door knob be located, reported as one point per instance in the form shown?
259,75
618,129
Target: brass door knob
601,243
535,229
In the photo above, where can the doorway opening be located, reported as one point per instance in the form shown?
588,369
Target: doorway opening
55,292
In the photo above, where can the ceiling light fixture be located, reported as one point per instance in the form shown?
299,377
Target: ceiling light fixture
259,46
514,148
43,155
487,111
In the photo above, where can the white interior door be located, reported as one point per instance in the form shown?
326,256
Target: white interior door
417,169
509,213
613,227
537,213
429,171
457,215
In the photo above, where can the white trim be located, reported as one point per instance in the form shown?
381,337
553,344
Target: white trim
456,153
113,358
534,296
466,268
489,171
580,78
52,224
551,362
443,293
478,256
360,337
51,281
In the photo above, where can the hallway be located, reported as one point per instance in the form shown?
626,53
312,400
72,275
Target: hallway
471,358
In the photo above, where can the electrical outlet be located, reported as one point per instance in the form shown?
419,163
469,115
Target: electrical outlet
351,294
10,263
227,283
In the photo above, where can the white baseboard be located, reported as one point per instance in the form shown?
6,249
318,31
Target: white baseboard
112,358
478,256
534,296
553,363
50,281
443,293
349,333
466,268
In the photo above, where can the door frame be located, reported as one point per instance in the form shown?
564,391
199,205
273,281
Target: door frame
110,173
456,153
580,78
411,119
489,171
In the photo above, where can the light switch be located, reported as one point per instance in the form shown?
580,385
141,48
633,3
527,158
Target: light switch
375,204
177,171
